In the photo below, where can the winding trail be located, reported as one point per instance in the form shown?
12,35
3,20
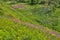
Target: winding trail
44,29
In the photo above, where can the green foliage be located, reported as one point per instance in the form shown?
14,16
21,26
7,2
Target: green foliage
46,17
1,12
39,15
36,14
12,31
33,2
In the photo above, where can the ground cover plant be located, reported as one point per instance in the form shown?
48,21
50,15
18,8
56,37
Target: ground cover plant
30,20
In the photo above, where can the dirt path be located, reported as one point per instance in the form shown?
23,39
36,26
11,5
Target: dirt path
45,30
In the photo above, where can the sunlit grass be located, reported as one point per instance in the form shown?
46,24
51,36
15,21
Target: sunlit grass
10,30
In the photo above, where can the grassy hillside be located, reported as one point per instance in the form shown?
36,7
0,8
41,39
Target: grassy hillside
38,14
47,16
10,30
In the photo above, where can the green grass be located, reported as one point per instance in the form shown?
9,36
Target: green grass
37,15
10,30
40,15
